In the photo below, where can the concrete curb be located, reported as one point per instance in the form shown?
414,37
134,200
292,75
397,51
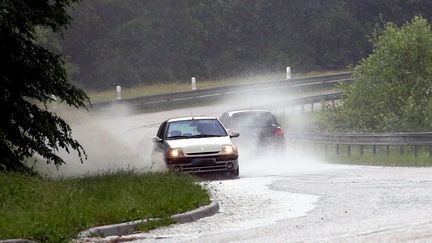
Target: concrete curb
196,214
130,227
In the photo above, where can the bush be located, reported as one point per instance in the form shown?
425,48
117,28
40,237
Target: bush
392,87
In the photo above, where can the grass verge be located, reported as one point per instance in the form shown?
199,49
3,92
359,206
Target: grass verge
56,210
381,158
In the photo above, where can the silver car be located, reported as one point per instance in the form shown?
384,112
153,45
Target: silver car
195,145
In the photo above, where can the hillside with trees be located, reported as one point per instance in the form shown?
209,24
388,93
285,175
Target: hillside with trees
131,42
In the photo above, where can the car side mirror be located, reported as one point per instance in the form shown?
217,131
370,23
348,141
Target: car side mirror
156,140
234,134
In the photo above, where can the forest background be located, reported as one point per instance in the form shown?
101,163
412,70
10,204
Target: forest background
130,42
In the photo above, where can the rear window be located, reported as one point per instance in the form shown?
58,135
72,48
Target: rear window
252,119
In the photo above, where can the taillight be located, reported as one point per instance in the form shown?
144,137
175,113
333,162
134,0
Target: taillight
278,132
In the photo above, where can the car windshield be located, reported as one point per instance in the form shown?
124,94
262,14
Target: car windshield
252,119
195,129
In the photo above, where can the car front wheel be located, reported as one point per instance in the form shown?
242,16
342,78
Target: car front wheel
235,173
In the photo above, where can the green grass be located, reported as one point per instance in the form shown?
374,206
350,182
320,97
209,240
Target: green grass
56,210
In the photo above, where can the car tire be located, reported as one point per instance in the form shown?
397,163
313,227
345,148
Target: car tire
235,173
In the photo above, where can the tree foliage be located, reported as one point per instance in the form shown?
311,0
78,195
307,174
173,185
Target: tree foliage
30,76
392,89
131,42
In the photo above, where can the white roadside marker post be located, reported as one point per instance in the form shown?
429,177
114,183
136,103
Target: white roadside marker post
118,89
193,82
288,73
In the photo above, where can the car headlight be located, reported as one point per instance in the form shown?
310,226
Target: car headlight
229,149
175,153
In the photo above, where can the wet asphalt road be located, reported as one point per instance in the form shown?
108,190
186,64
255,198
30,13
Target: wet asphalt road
333,203
286,197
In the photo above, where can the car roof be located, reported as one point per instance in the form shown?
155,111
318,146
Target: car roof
231,113
186,118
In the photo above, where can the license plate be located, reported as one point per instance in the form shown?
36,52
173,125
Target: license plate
203,161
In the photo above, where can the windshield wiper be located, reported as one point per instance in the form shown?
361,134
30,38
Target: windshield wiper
180,136
206,135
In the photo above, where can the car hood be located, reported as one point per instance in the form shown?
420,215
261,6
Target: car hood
199,145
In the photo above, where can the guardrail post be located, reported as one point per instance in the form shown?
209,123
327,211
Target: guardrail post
349,150
401,150
374,149
288,73
193,83
387,150
337,149
333,102
119,94
361,149
415,151
430,151
312,107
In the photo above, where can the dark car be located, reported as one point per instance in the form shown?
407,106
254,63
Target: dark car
259,127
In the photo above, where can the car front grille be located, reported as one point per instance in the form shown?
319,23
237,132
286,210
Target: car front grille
202,168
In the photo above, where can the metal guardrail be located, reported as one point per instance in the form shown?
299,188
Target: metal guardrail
351,140
305,100
294,84
367,138
416,140
364,140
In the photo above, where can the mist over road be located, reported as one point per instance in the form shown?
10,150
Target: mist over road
117,138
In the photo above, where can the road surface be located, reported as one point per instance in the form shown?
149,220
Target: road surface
279,197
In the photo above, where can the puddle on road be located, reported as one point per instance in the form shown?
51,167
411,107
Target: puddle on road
245,204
